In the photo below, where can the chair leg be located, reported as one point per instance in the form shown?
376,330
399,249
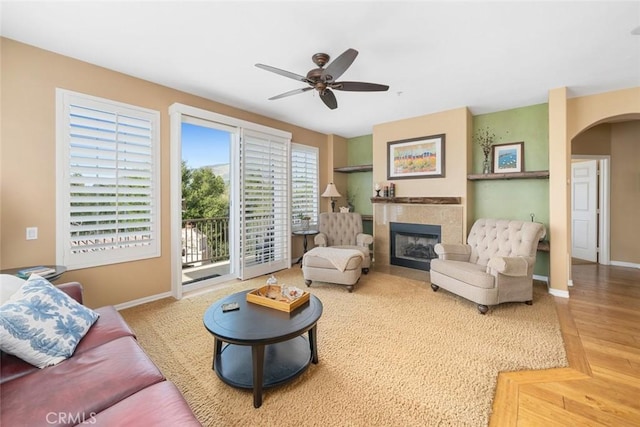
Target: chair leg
307,282
435,287
365,270
530,302
482,308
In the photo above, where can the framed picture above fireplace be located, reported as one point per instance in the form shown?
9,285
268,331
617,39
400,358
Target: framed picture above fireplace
413,158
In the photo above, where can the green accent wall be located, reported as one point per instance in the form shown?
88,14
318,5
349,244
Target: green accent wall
518,198
359,184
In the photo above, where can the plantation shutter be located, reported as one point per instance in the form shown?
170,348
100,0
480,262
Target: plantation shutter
110,196
304,184
264,204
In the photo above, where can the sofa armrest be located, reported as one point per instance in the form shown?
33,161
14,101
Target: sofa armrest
453,251
364,239
320,239
509,266
73,289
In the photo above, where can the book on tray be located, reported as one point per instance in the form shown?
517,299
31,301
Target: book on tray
40,270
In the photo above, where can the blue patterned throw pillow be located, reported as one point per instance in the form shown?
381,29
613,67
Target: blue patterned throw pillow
42,325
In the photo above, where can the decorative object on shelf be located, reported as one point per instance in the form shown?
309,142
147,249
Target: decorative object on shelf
421,157
392,189
508,158
377,188
332,192
305,222
485,138
385,192
351,200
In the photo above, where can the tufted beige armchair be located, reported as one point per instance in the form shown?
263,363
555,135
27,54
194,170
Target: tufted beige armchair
344,230
495,266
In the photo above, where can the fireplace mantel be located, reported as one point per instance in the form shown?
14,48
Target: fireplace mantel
418,200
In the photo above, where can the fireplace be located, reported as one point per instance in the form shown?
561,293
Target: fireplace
412,244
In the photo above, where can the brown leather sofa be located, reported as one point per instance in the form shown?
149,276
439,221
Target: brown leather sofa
108,381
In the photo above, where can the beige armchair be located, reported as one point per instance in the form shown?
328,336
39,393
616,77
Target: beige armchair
344,230
495,266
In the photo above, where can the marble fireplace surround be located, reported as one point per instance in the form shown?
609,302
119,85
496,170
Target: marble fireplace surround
447,212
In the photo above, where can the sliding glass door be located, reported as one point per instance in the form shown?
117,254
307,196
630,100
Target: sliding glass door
230,199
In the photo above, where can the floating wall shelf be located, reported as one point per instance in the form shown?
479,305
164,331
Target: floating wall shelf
512,175
350,169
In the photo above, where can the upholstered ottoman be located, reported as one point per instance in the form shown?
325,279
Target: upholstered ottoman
333,265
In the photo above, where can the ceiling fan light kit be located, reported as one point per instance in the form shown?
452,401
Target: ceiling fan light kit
324,79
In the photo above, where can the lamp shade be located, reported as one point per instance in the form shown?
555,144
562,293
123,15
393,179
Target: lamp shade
331,191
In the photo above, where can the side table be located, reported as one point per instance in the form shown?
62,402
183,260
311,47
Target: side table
304,234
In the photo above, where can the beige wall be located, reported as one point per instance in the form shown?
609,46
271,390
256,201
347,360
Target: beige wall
568,118
456,125
625,192
593,141
29,79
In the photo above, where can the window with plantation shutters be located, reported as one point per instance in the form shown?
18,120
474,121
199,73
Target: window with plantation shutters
264,203
304,185
108,181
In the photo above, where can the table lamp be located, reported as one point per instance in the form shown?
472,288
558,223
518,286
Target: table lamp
332,192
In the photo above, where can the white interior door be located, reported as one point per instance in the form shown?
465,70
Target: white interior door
584,210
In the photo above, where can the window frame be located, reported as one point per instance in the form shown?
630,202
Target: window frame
150,246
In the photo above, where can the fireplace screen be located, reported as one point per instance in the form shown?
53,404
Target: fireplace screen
412,244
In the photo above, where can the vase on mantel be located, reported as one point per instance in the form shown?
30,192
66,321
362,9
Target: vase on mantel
486,166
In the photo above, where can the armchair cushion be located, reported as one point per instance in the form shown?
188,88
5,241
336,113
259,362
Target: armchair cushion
473,274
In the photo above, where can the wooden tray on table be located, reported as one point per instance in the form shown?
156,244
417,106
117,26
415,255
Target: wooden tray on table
270,296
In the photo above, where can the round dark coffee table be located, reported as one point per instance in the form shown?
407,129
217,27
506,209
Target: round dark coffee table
265,347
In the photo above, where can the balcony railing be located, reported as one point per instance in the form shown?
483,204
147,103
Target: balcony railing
205,240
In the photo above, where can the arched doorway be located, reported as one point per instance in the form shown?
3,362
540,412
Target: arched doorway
611,141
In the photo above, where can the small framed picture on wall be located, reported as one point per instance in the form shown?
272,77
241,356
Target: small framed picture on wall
508,158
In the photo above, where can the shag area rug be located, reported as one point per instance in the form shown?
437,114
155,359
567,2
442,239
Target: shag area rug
392,353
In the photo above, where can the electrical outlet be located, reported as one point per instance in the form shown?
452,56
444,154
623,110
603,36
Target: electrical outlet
32,233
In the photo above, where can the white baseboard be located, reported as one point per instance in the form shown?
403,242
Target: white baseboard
625,264
144,300
559,293
544,279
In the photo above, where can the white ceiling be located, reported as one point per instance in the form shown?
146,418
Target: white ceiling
434,55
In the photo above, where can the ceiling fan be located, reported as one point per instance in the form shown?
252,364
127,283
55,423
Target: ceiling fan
324,79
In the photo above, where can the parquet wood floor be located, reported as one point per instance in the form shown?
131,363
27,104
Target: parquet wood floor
600,325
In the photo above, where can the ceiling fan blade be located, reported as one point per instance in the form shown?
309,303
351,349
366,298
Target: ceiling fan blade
329,99
359,87
291,92
289,74
339,65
